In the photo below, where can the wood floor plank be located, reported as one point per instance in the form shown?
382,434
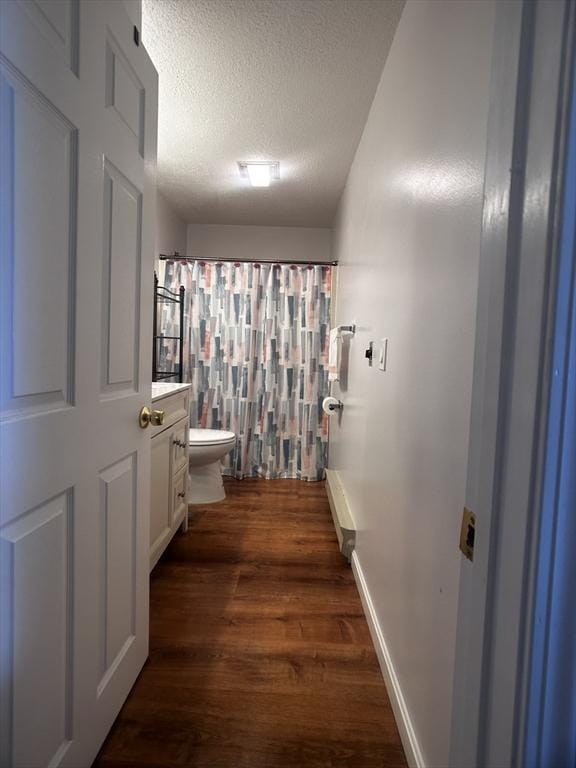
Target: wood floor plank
260,654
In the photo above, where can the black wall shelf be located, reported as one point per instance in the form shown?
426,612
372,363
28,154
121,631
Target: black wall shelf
163,295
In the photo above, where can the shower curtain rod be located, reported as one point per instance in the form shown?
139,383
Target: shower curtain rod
178,257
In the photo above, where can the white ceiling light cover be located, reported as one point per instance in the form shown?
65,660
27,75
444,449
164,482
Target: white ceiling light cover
260,172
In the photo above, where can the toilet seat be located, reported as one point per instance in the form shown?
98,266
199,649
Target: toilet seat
205,437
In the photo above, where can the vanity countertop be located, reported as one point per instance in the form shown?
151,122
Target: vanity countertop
162,389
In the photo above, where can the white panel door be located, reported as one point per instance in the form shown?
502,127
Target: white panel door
78,113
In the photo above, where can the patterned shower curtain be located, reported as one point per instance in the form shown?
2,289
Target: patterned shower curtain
256,354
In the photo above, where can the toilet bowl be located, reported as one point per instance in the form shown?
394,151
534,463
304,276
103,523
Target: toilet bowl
206,448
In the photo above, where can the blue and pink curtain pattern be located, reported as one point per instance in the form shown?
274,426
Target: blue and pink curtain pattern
256,354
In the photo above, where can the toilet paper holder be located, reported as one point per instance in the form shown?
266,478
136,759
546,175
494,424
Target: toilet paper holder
331,404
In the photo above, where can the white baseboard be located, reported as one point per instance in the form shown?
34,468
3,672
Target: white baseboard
401,713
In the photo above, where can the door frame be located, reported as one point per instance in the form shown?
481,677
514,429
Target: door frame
520,399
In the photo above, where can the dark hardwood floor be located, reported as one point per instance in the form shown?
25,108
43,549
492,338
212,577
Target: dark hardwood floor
260,655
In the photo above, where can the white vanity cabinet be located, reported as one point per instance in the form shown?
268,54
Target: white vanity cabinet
169,466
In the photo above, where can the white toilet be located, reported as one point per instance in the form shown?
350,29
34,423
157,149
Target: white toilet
206,448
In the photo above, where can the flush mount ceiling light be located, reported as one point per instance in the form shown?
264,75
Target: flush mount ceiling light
259,172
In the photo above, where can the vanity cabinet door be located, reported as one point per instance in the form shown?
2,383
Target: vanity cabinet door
169,485
179,446
179,500
160,517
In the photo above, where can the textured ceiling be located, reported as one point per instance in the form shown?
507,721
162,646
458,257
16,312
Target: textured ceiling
287,80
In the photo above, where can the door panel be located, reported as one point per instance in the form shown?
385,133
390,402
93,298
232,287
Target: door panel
117,562
122,239
78,196
57,20
39,148
37,556
124,91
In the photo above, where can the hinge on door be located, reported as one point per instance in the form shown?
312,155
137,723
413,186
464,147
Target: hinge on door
468,533
136,36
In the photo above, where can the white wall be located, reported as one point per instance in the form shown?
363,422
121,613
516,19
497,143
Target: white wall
407,237
231,241
170,228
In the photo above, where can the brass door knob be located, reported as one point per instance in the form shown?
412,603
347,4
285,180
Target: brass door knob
157,418
149,416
